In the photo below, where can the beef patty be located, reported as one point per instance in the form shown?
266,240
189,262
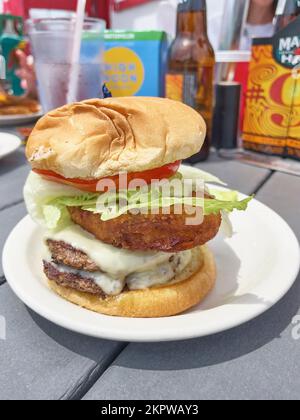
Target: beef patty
74,281
63,253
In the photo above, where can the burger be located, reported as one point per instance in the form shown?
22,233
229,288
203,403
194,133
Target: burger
103,248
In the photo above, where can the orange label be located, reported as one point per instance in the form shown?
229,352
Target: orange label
272,114
293,140
269,96
174,86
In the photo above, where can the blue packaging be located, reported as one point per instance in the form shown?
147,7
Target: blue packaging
135,62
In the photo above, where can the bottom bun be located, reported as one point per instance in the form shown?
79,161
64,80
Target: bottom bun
154,302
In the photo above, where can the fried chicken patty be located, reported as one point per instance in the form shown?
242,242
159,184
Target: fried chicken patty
74,281
167,233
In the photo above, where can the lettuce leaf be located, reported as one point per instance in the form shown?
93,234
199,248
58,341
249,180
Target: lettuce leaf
224,195
39,192
47,201
211,206
190,172
214,206
56,216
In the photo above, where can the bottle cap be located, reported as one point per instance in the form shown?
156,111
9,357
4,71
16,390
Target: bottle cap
198,5
184,6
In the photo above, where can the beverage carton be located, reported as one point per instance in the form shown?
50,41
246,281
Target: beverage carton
272,114
134,62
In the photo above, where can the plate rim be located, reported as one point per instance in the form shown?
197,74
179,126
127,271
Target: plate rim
14,116
18,143
163,334
7,120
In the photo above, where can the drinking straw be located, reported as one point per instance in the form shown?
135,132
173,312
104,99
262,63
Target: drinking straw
75,57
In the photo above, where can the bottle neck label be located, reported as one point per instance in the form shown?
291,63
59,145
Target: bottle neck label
192,23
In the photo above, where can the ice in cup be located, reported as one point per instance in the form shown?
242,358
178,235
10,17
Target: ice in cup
52,42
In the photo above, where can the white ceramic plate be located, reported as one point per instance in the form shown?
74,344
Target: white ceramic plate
12,120
8,144
255,270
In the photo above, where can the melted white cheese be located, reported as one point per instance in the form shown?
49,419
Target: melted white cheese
160,275
139,270
118,263
109,285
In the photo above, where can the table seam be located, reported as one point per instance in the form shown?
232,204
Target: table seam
88,380
8,206
263,182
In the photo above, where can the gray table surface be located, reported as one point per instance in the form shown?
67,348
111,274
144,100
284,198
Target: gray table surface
259,360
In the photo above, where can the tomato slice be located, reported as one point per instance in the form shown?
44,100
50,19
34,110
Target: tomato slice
90,185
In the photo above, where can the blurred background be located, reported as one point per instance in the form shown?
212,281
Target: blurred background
134,14
203,53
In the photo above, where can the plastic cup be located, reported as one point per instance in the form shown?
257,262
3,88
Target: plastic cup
51,42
